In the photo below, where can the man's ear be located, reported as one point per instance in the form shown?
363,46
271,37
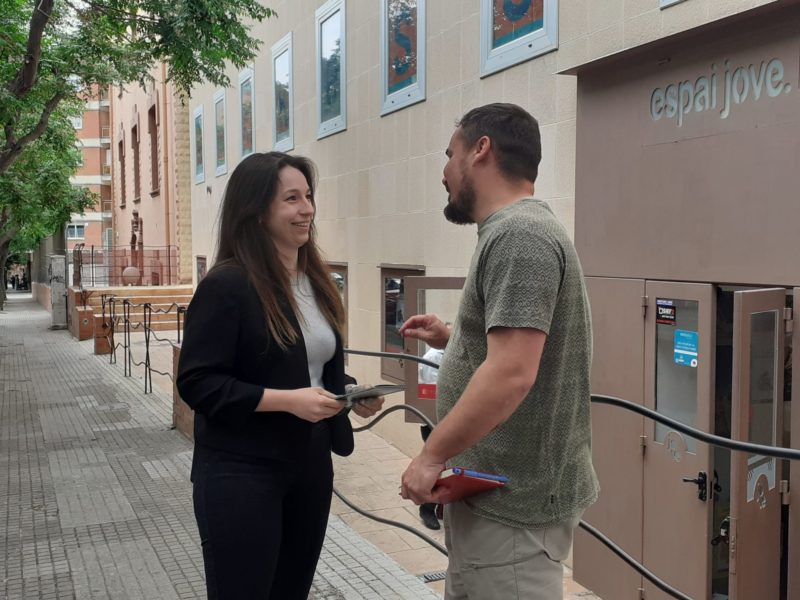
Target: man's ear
483,148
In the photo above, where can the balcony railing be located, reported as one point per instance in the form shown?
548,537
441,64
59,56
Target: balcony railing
99,266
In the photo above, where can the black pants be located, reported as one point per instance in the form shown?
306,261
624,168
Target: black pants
262,523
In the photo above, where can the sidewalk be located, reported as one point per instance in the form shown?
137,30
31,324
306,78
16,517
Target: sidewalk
97,496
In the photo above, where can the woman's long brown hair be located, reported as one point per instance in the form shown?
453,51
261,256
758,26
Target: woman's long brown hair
243,241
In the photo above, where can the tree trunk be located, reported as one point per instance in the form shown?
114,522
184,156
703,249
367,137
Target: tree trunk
3,256
24,82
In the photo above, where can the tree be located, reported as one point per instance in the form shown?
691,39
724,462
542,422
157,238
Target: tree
51,50
36,196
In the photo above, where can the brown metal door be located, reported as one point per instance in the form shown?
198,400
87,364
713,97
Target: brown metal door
617,370
438,295
794,467
758,351
679,367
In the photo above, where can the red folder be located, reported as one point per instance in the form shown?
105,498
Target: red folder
466,482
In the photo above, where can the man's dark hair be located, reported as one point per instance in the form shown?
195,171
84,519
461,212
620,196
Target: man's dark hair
515,137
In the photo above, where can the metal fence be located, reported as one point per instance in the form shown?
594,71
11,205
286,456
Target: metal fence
111,266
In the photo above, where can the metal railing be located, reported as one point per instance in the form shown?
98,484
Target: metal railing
105,266
109,301
714,440
111,321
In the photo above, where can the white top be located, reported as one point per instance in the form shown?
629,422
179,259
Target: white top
429,374
317,333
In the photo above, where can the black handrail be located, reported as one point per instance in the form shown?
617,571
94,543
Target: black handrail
644,572
708,438
714,440
146,324
649,575
395,355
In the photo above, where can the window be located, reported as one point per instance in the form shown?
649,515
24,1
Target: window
75,232
331,71
402,53
282,117
201,268
219,132
77,122
197,133
393,316
122,176
338,273
137,184
247,112
513,32
152,129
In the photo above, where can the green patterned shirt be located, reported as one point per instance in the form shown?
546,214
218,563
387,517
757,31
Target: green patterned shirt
525,273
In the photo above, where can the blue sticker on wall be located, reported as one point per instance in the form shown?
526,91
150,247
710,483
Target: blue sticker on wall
685,350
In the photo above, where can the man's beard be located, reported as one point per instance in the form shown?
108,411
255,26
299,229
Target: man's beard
459,209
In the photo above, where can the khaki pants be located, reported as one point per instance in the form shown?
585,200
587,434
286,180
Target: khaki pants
491,561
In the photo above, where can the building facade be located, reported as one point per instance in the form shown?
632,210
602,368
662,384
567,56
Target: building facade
151,214
93,130
670,149
371,92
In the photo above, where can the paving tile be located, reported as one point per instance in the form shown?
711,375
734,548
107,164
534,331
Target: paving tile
96,499
95,490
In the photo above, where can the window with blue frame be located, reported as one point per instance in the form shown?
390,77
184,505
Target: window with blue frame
219,133
402,53
197,132
513,31
246,112
331,68
282,117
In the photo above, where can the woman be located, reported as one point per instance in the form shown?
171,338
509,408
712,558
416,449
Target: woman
260,364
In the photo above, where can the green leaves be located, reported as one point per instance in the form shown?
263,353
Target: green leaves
51,50
36,196
75,44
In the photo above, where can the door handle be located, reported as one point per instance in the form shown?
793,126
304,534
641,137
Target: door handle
702,485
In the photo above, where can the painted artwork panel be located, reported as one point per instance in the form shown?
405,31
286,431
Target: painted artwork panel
331,67
282,106
247,116
402,44
513,19
198,144
219,124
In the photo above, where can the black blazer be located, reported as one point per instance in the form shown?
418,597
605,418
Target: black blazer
227,359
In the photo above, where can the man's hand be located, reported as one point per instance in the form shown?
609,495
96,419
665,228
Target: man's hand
368,407
419,479
428,328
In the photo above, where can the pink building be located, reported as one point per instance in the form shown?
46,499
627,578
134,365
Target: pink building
94,134
150,166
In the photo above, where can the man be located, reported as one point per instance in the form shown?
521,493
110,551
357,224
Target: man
513,389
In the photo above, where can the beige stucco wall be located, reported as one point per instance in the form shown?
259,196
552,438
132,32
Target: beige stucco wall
380,197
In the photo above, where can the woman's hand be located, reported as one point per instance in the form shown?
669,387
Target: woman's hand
368,407
313,404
